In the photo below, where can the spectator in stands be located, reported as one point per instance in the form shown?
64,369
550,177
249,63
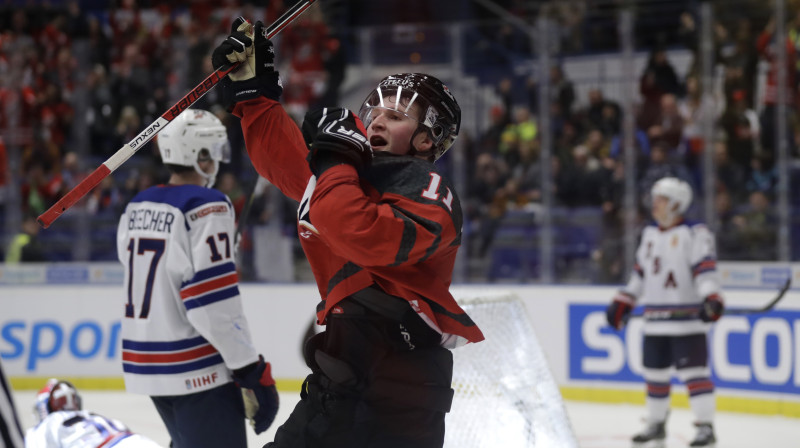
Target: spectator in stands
730,175
566,141
99,43
486,200
793,34
739,58
612,241
661,166
523,131
105,199
499,119
742,129
729,246
766,46
38,189
4,178
599,147
659,78
229,185
668,124
70,175
757,229
562,91
640,142
694,115
603,114
305,41
25,246
665,78
578,182
763,175
524,186
100,115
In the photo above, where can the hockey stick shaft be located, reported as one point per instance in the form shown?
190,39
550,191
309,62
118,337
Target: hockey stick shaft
693,313
130,148
765,308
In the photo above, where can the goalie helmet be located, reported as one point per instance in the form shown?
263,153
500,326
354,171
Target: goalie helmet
677,191
439,112
194,130
57,395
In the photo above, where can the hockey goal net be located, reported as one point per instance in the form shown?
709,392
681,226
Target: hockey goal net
505,395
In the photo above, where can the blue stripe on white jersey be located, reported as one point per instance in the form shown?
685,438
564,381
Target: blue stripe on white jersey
163,346
168,357
172,368
211,297
209,273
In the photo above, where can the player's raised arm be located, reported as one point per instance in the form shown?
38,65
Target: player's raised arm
273,140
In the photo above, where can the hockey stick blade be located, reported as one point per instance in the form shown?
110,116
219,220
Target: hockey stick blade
763,309
129,149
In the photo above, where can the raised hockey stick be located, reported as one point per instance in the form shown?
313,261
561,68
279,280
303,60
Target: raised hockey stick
130,148
693,312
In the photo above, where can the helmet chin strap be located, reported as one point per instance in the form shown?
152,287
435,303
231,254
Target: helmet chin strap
210,178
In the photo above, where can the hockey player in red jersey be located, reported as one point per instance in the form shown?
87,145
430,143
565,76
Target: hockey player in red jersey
675,279
380,227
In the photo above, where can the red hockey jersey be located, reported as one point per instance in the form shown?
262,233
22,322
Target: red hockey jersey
397,226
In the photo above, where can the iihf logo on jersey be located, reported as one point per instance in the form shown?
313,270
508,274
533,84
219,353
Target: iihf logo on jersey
200,381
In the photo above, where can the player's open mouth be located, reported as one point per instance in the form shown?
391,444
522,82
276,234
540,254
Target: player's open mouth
377,142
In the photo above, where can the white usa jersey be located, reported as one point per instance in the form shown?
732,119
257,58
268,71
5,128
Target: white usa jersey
83,429
675,270
183,328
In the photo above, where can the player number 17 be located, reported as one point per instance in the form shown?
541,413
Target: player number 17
156,246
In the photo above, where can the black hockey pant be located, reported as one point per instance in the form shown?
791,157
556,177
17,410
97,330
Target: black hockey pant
377,382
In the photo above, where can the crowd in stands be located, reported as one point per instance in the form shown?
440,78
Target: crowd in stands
588,166
121,67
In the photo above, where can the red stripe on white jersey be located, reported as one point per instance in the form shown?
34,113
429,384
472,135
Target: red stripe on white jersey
210,285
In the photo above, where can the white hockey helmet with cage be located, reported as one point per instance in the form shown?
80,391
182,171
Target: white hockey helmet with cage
439,113
676,190
194,130
57,395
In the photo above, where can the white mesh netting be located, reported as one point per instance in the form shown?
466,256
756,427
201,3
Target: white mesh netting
505,395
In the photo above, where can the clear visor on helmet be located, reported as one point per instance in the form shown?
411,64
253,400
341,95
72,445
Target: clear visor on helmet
398,102
216,142
221,151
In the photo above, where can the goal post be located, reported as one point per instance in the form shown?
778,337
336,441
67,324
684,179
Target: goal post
505,394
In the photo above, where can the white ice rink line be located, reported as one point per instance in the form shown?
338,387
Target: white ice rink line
596,425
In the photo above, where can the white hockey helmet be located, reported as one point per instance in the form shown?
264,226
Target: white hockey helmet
56,395
192,131
677,191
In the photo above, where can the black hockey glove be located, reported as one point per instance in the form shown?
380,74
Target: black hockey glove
335,136
712,308
256,76
259,392
618,311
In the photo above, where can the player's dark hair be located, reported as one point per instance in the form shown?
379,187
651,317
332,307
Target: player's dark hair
179,169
